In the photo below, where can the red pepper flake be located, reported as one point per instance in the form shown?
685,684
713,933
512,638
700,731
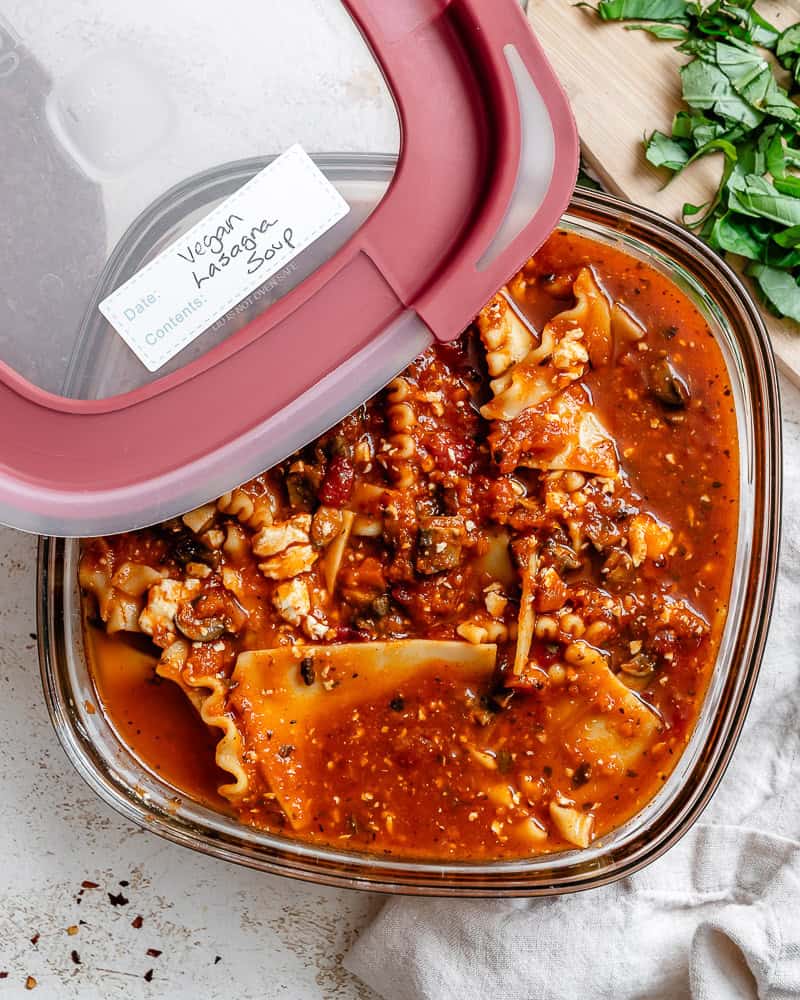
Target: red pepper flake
337,486
35,938
3,975
30,983
153,952
76,958
148,976
137,922
86,884
117,899
344,633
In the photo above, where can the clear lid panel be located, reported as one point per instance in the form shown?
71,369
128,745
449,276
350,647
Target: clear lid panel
126,123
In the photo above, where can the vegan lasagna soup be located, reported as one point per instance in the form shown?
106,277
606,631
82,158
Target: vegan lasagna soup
477,619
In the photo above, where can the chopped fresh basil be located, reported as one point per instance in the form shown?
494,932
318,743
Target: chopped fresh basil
666,32
788,237
778,287
787,47
644,10
754,195
662,151
740,106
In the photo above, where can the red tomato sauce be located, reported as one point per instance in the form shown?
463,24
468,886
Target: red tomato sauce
608,530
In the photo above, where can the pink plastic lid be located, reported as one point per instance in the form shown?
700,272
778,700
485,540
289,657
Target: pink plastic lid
487,164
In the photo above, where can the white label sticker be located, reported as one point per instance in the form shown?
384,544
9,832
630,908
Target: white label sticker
228,254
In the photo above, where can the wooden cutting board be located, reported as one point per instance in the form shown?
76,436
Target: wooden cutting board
623,84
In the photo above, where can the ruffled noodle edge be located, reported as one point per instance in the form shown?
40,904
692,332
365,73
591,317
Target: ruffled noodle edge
211,708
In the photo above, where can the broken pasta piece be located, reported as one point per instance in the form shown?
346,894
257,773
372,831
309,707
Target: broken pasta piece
648,538
506,339
574,825
576,440
528,555
568,343
592,313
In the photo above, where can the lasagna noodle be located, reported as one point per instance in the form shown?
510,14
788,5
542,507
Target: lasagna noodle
607,720
582,443
281,696
208,694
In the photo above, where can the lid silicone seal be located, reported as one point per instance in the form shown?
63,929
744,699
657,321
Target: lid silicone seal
487,164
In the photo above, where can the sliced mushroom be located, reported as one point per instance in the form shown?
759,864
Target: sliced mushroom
561,556
198,629
439,544
209,616
300,486
326,525
667,386
641,665
188,549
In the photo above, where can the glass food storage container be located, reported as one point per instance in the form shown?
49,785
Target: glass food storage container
141,796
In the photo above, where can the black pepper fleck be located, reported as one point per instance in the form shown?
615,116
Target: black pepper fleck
582,774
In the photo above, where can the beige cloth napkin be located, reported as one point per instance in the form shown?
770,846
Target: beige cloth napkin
717,919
